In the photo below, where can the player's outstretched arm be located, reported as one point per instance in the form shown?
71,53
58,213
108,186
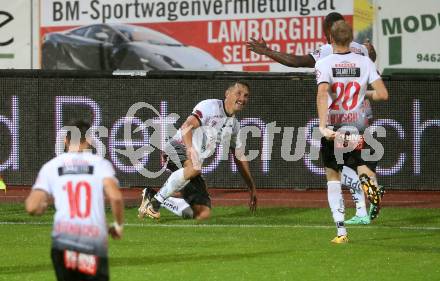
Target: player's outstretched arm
243,167
260,47
36,202
111,190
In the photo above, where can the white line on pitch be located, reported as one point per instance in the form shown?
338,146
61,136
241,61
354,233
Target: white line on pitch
244,226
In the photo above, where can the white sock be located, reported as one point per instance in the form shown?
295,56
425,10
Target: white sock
350,179
178,206
336,203
174,183
359,198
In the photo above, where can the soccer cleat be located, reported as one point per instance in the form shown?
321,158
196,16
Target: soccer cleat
340,239
375,208
151,212
358,220
374,211
147,195
381,191
371,190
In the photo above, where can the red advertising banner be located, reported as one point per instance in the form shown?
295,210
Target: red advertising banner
185,35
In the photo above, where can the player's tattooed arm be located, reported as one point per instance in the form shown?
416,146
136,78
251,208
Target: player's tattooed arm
187,128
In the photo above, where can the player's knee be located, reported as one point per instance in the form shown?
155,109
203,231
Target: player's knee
203,214
191,172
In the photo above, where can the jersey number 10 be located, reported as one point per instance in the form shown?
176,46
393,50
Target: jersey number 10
74,194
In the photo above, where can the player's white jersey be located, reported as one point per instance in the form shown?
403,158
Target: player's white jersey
75,180
348,75
327,49
216,127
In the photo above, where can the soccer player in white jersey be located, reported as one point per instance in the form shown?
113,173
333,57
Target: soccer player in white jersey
349,176
77,181
211,123
342,79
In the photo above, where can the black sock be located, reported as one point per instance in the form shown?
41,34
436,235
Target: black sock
156,204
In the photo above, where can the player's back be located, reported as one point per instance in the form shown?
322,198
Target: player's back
348,75
75,180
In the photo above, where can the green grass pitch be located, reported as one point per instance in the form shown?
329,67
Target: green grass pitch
275,244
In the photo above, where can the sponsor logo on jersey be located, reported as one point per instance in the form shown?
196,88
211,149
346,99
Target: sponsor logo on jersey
346,72
75,170
345,64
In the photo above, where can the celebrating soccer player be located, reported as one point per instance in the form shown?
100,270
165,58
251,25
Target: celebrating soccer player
349,177
212,122
78,180
342,79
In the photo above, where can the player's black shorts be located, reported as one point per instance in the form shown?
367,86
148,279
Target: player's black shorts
175,155
351,159
196,191
73,266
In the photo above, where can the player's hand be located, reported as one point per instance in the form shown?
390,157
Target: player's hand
371,50
115,230
253,202
327,133
257,46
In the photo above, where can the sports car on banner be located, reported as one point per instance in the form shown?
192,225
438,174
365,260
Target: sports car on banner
121,46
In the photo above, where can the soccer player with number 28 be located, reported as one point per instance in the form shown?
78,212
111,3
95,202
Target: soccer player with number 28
342,79
78,180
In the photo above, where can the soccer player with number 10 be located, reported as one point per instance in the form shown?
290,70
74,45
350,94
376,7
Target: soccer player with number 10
78,181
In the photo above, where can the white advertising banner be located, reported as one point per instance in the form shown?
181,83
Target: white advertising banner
408,35
218,28
16,34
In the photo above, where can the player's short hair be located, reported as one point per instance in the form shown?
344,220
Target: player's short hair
232,85
342,33
331,18
82,125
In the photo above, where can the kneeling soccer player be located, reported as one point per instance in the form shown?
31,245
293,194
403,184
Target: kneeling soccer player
211,123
